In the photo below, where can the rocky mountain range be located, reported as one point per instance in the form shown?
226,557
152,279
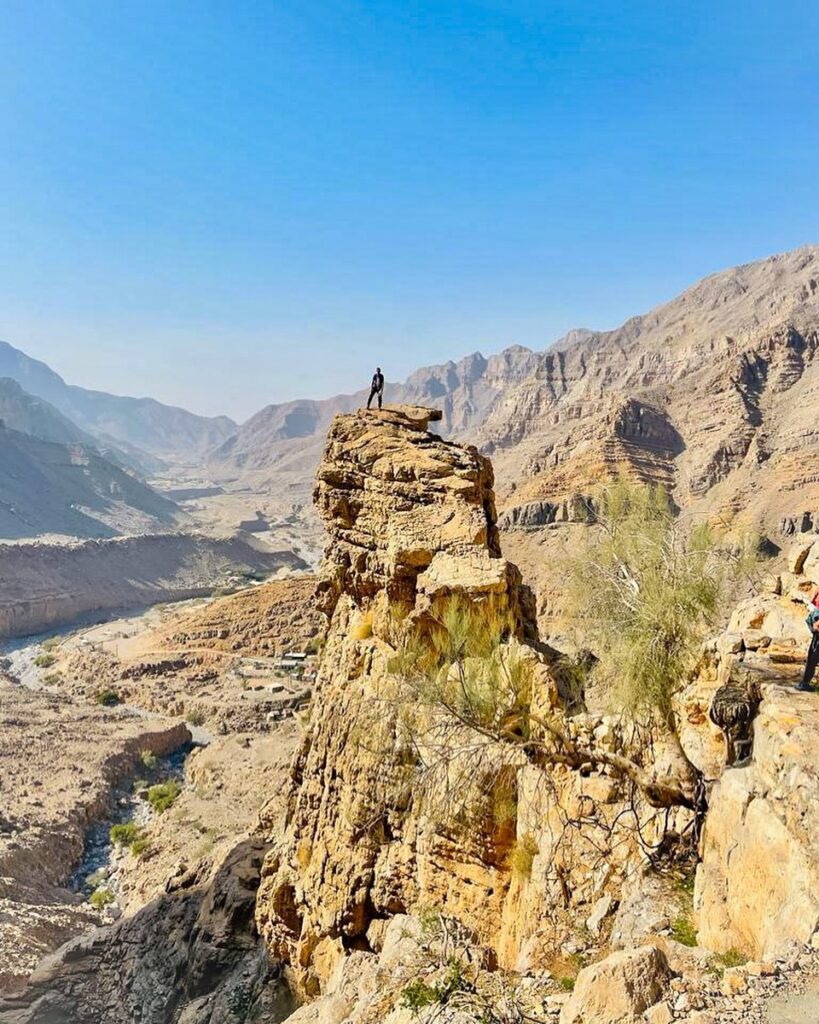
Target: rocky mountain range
430,858
70,489
141,424
709,394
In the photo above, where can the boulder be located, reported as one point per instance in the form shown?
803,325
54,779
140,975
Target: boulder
797,556
619,989
757,886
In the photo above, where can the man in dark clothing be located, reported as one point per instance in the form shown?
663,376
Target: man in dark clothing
377,387
813,651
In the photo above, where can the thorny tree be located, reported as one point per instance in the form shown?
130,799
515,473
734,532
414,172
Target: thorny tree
648,593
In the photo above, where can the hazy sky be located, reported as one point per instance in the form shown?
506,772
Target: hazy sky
224,203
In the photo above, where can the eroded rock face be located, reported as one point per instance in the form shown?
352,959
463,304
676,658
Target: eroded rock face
411,520
191,957
758,884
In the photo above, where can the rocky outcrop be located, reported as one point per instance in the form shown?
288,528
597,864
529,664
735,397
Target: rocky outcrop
535,514
759,877
758,882
411,521
192,957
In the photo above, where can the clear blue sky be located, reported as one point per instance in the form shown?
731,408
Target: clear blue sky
229,202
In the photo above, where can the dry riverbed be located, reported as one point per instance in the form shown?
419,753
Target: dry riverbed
178,795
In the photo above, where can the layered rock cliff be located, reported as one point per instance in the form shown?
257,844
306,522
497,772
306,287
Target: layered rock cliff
411,522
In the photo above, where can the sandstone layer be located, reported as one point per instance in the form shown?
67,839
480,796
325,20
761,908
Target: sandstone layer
759,878
411,521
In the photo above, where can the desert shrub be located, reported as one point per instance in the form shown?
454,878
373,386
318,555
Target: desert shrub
124,834
314,644
683,930
418,993
108,698
44,660
149,760
163,794
567,982
51,643
196,716
140,845
731,958
522,856
651,592
52,678
101,898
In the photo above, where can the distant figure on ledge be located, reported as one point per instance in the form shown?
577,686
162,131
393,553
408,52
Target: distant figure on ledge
377,387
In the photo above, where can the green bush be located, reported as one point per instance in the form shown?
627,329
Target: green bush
567,982
149,760
101,898
108,698
163,794
124,834
522,856
418,994
683,931
732,958
44,660
140,845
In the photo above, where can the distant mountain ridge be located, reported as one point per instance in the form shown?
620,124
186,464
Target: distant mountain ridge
70,489
142,424
710,394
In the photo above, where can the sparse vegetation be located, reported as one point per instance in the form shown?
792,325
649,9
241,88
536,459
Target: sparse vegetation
522,856
45,660
52,678
149,760
101,898
655,592
418,993
196,717
108,698
124,834
140,846
567,982
163,794
731,958
683,930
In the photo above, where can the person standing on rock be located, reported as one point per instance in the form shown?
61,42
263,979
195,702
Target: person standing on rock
813,651
377,387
